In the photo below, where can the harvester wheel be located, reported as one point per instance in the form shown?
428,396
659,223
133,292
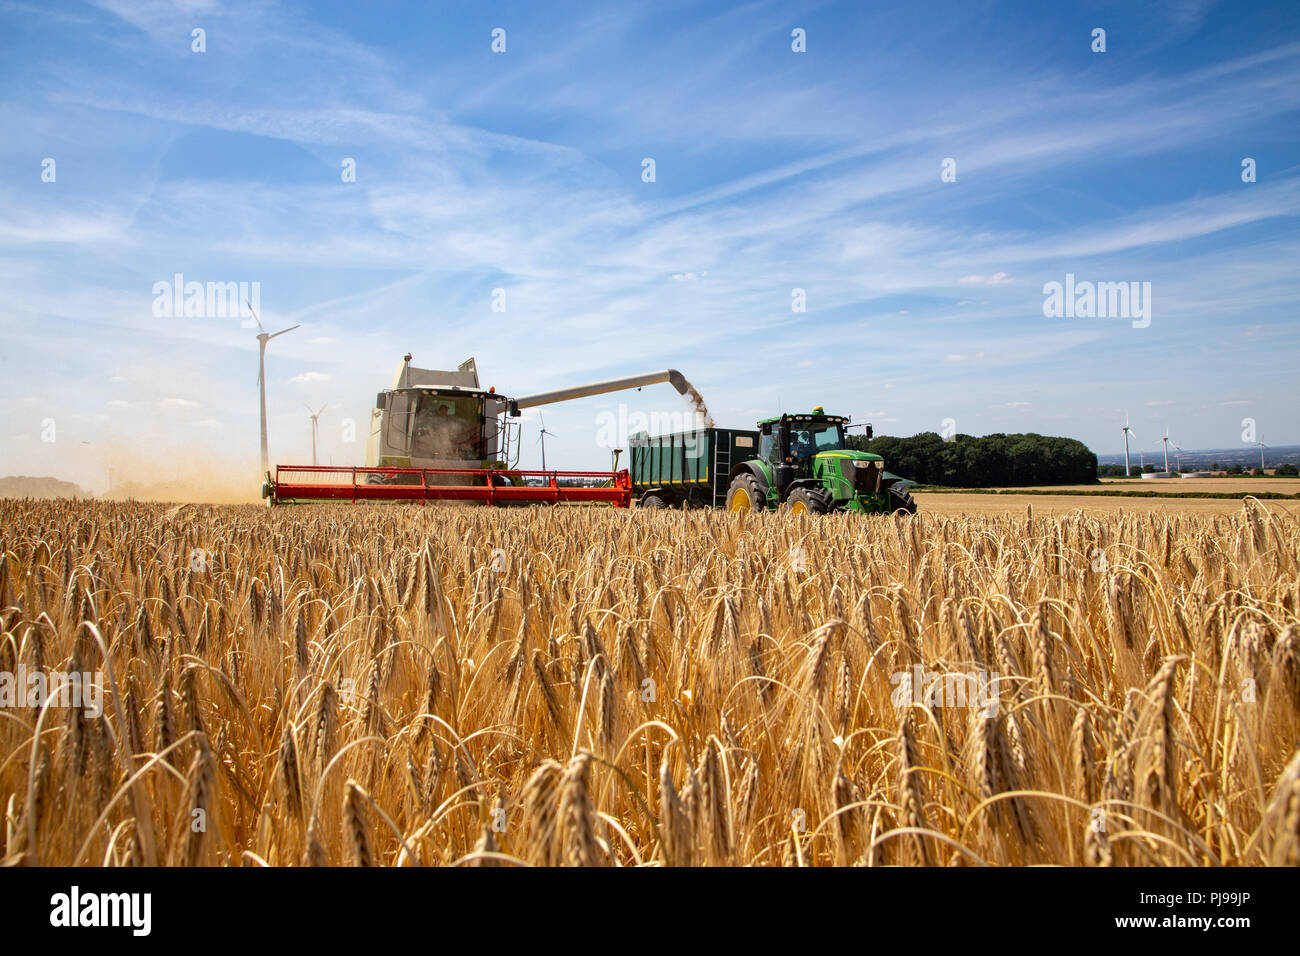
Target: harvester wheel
809,501
653,501
901,501
746,494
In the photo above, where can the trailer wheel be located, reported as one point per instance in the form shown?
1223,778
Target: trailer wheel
809,501
746,494
653,501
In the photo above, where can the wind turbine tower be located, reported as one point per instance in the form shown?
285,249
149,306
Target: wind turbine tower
541,437
315,421
262,339
1127,431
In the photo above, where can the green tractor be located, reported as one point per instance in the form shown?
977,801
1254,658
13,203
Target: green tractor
802,464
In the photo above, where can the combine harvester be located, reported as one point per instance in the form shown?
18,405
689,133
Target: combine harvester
439,435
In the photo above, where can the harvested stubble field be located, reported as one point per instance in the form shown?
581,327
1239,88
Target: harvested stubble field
402,686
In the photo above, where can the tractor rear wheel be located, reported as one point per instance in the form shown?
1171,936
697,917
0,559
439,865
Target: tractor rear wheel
809,501
746,494
901,502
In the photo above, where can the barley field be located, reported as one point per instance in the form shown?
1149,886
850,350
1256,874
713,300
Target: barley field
409,686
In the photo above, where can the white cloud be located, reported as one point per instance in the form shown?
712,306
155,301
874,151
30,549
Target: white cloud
118,403
307,378
177,403
1011,405
322,340
1157,403
997,278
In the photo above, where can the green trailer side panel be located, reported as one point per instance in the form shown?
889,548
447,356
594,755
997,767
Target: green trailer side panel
697,461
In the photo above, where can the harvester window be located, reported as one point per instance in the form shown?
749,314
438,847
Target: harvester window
447,429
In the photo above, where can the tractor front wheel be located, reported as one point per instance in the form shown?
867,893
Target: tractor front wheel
901,502
653,501
746,494
808,501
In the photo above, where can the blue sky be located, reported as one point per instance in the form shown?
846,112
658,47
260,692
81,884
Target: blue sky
522,171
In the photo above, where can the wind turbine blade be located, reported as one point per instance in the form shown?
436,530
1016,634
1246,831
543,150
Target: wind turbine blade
282,331
255,318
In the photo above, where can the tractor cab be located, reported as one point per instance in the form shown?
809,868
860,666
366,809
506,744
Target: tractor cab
791,442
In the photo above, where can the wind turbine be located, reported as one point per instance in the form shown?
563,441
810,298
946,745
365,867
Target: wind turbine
314,425
1179,452
262,339
1127,430
1166,442
541,437
1262,446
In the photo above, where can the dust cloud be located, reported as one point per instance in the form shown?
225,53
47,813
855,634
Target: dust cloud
183,475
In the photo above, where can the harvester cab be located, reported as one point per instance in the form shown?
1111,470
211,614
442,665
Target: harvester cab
429,418
804,465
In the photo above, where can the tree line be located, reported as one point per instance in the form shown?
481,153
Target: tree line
968,461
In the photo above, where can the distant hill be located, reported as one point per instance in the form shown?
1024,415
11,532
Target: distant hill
21,486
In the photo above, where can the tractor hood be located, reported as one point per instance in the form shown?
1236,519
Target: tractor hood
854,455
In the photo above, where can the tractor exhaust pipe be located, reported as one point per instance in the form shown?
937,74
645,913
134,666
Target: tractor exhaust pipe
671,375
